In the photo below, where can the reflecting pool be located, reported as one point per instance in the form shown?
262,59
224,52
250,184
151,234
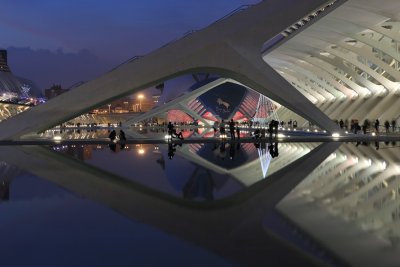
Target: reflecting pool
219,203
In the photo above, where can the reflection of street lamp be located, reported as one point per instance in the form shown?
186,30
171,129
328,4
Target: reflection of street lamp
140,149
109,108
140,101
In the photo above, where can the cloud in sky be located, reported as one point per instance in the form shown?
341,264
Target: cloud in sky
46,67
111,31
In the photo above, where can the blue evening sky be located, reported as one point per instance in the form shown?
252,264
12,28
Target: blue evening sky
113,30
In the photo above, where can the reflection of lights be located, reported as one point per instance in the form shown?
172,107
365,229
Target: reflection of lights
140,96
369,162
280,135
383,165
335,135
57,138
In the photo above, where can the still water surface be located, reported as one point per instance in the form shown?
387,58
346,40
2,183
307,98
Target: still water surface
200,204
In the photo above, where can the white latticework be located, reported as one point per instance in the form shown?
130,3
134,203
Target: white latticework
266,111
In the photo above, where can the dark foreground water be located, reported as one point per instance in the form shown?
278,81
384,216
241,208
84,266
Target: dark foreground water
215,204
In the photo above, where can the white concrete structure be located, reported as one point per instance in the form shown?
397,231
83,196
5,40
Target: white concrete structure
347,63
229,48
326,60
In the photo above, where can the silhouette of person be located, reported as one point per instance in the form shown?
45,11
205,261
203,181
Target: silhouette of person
170,128
237,130
222,127
215,127
377,125
172,131
393,125
232,129
387,126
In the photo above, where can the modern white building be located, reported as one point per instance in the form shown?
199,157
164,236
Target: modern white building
319,60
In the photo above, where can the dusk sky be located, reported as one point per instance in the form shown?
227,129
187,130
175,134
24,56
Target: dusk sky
67,41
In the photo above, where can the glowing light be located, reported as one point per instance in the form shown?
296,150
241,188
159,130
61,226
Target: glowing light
280,135
383,165
335,135
373,134
57,138
141,151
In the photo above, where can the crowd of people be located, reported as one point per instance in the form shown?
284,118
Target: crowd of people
368,126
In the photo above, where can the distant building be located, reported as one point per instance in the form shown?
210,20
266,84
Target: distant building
54,91
13,87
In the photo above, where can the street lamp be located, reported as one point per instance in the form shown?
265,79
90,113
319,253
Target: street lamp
140,101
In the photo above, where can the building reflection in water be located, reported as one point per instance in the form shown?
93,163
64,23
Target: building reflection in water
7,174
354,192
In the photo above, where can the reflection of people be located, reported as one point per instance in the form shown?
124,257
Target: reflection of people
237,130
112,135
172,131
113,147
232,151
4,190
122,136
171,150
377,145
273,149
